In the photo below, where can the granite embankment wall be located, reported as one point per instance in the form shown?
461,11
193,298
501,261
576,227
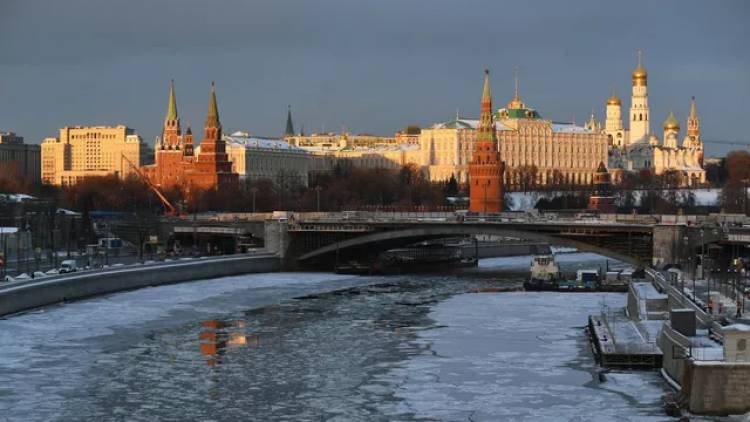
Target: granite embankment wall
718,388
25,295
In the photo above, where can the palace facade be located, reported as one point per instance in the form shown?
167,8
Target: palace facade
256,158
534,149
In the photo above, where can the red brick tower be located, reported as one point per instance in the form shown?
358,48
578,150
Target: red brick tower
601,198
212,168
485,168
169,164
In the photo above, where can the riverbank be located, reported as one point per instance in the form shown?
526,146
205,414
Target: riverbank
21,296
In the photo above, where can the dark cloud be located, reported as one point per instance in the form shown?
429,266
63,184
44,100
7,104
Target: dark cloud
372,66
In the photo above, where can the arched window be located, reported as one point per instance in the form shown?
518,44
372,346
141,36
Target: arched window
640,117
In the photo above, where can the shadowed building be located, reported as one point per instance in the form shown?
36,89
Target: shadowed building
20,159
485,168
601,198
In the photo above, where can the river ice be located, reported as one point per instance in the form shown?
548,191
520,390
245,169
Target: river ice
519,356
385,348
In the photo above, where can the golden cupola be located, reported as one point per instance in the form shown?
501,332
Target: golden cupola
614,100
640,76
671,124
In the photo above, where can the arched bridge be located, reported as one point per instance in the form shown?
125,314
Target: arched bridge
320,242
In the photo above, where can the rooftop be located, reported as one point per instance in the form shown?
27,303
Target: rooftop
249,141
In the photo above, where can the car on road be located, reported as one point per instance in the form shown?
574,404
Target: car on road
68,266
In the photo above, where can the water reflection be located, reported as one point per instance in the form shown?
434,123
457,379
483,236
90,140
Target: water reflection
217,336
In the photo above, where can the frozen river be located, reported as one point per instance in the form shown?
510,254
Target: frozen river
294,346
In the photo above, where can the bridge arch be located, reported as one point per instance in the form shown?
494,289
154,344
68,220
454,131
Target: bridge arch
384,240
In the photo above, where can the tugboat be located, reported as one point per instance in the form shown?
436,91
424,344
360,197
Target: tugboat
545,274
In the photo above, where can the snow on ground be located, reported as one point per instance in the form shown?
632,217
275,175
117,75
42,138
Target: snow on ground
524,201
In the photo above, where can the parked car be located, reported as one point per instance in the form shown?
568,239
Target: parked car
68,266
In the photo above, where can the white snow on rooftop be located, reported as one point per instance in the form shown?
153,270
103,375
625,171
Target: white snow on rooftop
249,141
569,128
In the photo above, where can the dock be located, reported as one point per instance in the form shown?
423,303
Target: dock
619,342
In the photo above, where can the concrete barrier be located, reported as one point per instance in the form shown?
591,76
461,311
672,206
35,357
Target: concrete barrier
34,294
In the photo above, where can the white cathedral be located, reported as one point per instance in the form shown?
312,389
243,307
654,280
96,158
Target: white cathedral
637,148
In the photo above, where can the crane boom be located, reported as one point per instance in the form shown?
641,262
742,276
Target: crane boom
170,209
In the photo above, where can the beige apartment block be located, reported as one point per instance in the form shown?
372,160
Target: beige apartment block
81,152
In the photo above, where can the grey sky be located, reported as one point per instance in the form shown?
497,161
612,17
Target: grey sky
371,66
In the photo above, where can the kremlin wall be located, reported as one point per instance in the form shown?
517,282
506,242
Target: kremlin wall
524,143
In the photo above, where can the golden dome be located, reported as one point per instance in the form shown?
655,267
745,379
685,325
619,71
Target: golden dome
671,123
613,100
639,74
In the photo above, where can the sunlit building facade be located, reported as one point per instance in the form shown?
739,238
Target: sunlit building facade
637,148
81,152
531,147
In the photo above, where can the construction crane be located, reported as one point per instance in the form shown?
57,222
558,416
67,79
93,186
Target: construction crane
169,209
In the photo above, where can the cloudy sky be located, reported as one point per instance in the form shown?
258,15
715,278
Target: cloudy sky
368,66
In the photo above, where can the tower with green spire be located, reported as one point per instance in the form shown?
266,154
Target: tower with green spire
289,131
212,168
212,143
171,132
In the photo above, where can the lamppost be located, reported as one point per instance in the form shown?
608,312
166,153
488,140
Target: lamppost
253,191
745,183
317,193
686,239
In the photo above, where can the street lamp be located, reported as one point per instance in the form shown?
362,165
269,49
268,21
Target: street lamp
686,239
317,193
253,190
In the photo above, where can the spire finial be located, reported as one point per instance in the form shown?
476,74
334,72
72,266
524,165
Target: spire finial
172,105
693,111
289,131
486,95
212,120
515,77
640,57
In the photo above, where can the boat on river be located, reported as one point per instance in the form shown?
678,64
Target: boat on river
545,274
